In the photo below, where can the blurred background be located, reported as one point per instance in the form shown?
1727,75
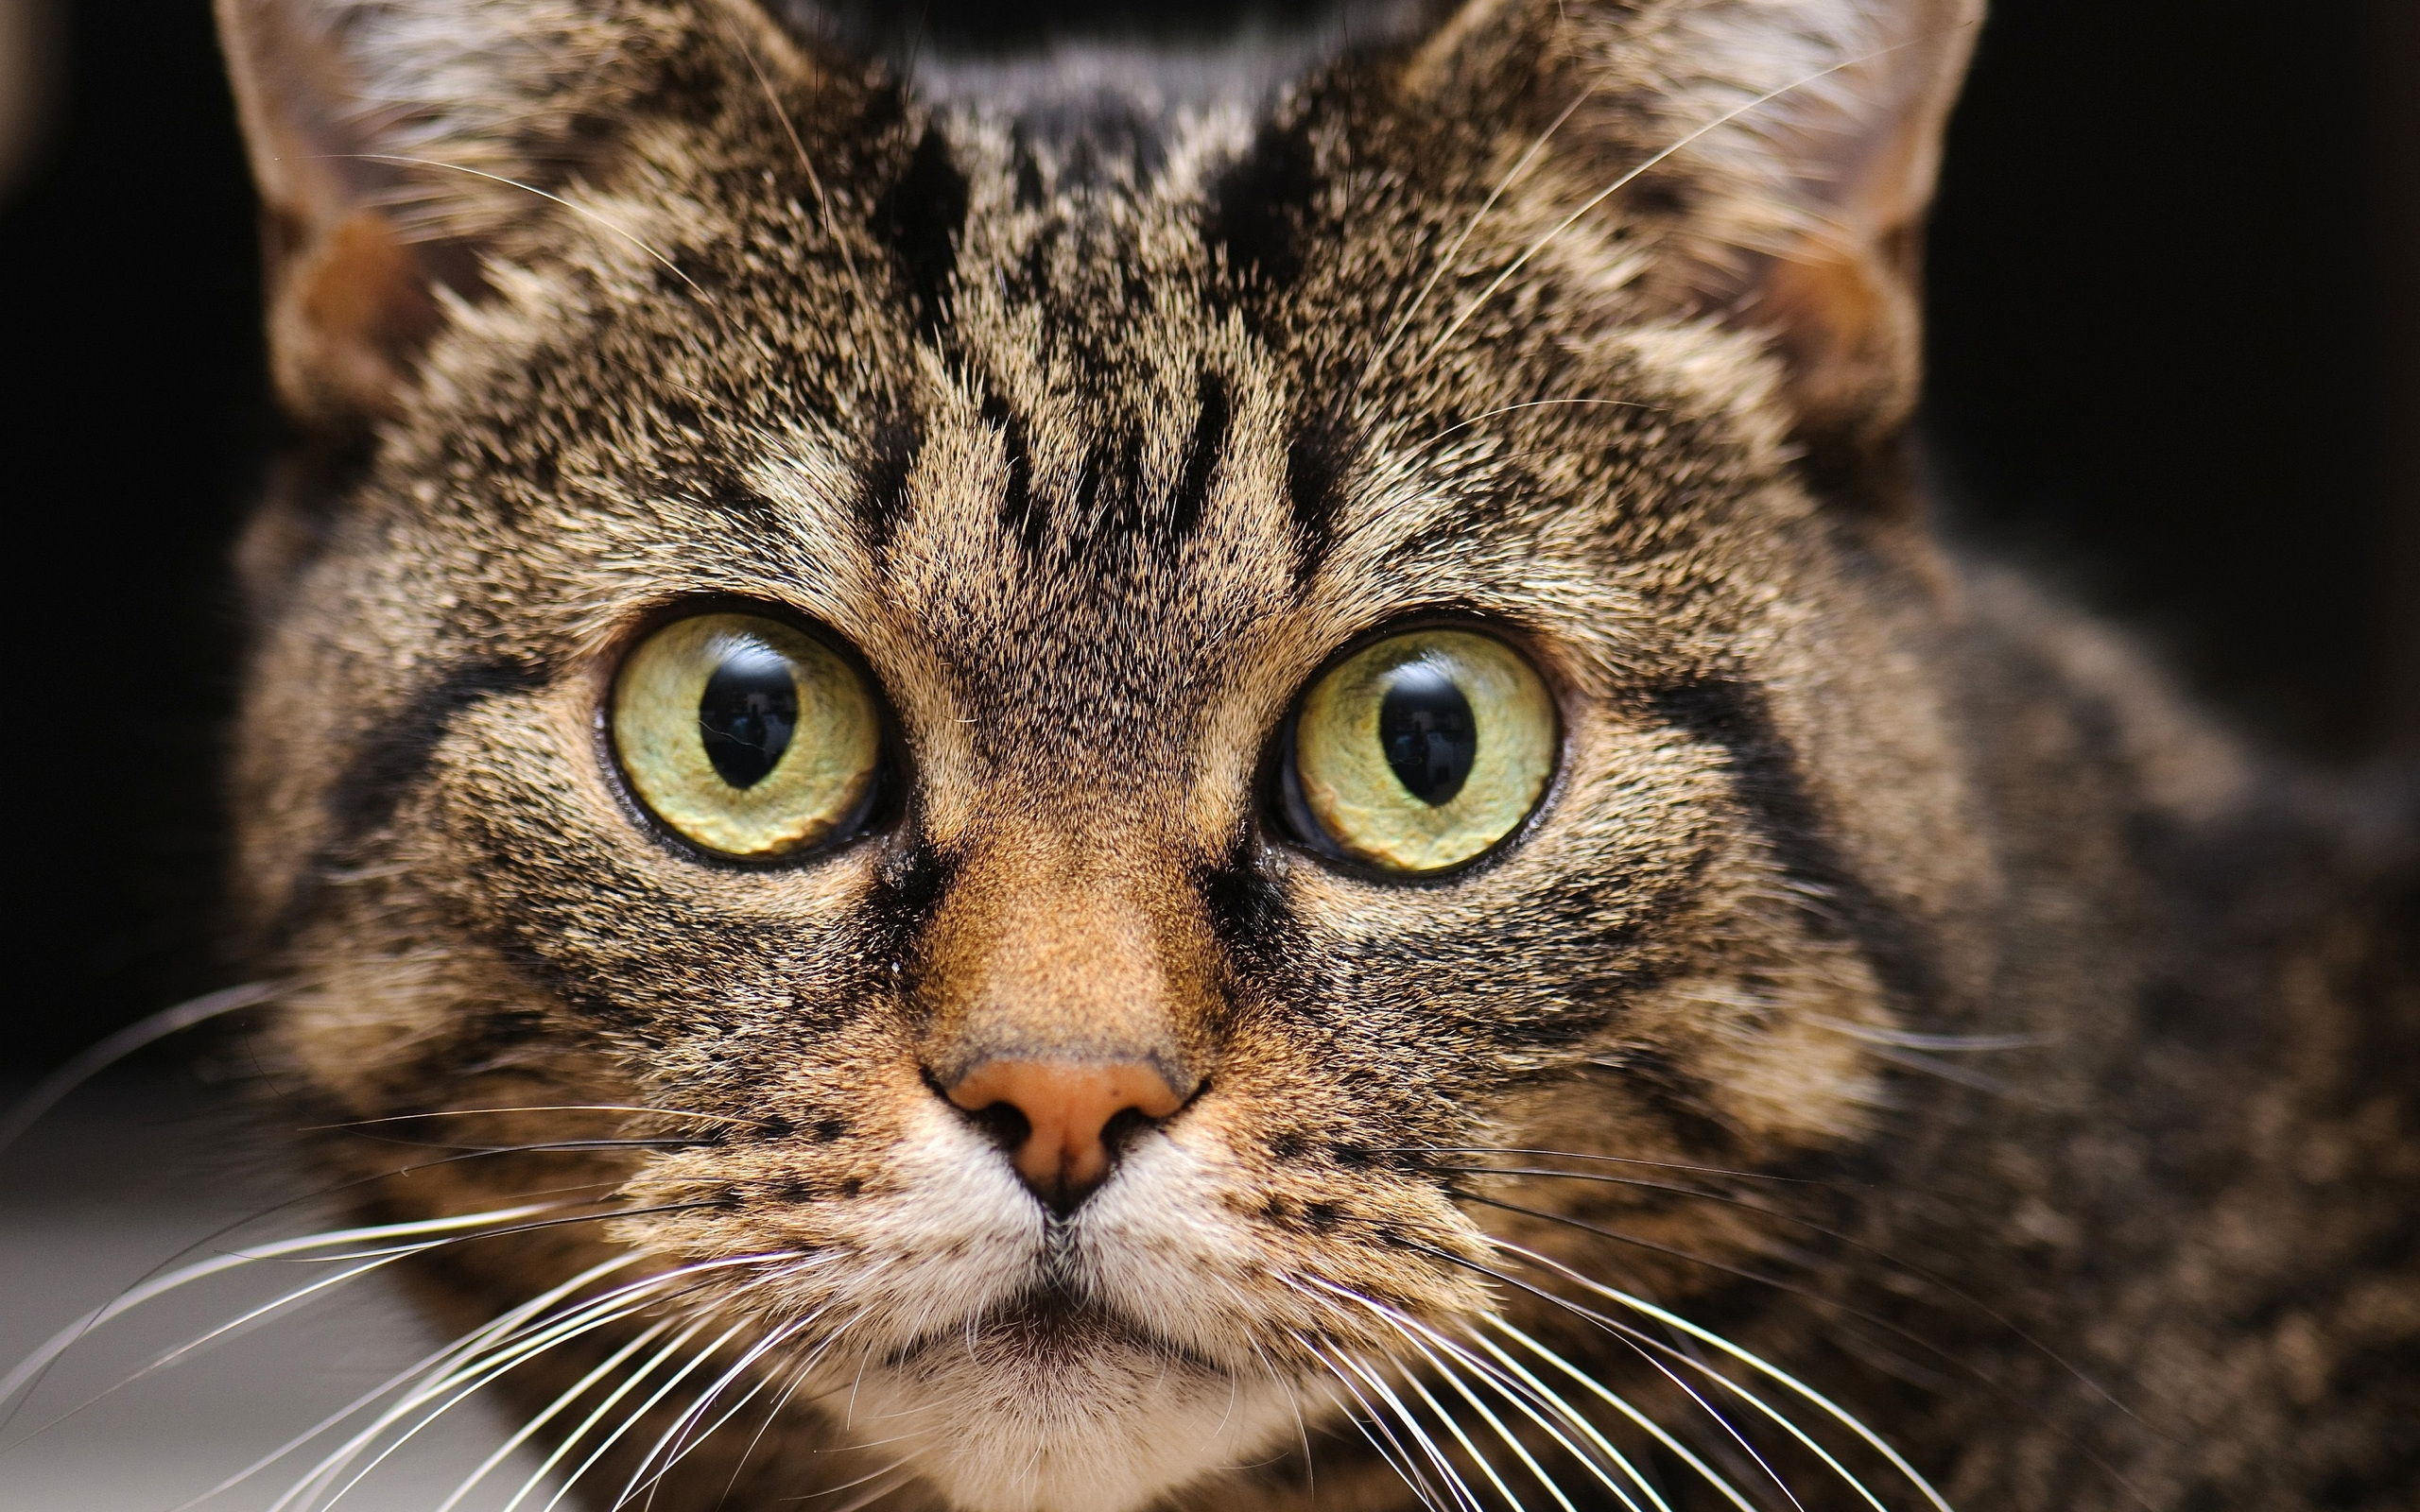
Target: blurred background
2175,288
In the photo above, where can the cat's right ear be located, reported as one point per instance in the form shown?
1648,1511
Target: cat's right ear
351,288
402,145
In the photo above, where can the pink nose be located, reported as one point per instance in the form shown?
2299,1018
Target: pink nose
1067,1107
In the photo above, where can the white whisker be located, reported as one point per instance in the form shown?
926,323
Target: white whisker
630,1420
1415,1332
580,211
52,1090
1454,1426
1626,179
1436,1456
128,1301
497,1348
1720,1483
1761,1366
669,1443
428,1363
530,1430
463,1383
1373,1425
1446,260
1508,1367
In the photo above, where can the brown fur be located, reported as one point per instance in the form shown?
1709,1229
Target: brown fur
1095,447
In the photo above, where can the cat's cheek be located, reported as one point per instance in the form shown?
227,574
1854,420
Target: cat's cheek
929,1216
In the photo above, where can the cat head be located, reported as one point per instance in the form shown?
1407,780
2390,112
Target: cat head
1092,690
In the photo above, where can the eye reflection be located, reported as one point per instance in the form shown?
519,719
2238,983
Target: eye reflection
1425,724
748,713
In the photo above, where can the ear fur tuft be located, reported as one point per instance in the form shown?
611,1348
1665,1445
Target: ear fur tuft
1803,138
397,143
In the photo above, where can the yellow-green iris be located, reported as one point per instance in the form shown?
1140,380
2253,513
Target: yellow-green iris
748,736
1424,750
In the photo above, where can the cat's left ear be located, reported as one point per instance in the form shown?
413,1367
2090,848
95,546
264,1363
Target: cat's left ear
1776,156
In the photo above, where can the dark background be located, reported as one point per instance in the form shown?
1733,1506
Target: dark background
2175,288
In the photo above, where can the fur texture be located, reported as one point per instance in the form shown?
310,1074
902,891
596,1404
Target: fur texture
1910,993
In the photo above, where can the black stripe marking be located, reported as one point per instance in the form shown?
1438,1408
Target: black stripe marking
1317,455
1257,206
363,797
891,450
1019,514
1201,457
921,218
1765,775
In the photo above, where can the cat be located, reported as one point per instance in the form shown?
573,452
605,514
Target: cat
1066,784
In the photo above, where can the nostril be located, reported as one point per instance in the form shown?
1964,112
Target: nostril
1004,1123
1123,1126
1062,1123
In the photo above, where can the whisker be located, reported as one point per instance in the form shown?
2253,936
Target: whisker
1510,1369
582,211
1416,1330
495,1349
1513,1442
1445,261
1754,1362
1436,1456
1374,1425
798,1379
673,1442
530,1430
1603,1160
1626,179
1454,1426
471,1151
1943,1043
135,1296
492,1372
427,1362
877,1493
1713,1479
235,1326
1981,1081
540,1107
1649,1347
1791,1288
1534,403
630,1420
86,1064
489,1356
1756,1456
1908,1268
789,128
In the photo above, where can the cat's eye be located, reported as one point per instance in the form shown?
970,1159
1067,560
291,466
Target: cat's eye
749,737
1423,750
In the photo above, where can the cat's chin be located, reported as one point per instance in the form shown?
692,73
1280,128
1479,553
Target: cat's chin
1042,1407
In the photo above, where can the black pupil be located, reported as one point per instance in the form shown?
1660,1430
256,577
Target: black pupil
748,713
1425,727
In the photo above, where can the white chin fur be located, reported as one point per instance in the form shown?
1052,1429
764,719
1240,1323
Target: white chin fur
1007,1411
998,1427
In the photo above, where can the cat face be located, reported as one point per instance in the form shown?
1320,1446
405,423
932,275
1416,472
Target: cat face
1067,721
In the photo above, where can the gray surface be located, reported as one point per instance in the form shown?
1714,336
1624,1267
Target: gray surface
134,1178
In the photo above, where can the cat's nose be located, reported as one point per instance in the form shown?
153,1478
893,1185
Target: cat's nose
1059,1129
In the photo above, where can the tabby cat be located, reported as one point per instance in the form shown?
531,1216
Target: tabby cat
1247,779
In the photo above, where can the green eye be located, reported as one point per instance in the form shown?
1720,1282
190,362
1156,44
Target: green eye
1424,750
746,735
